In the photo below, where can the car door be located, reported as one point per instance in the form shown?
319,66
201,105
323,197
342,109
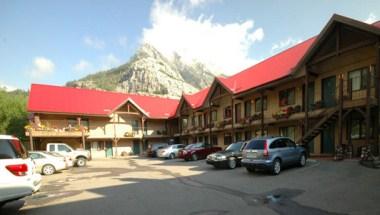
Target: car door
179,147
292,151
38,160
282,150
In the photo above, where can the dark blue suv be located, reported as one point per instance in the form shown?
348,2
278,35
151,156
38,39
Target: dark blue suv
272,153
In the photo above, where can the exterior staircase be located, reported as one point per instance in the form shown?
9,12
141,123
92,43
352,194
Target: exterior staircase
330,116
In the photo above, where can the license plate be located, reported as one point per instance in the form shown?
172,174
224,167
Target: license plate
252,155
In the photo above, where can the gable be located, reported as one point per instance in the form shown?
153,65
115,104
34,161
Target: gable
341,37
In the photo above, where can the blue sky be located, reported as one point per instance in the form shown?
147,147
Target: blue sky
52,43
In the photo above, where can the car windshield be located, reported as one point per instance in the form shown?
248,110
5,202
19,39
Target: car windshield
198,145
190,146
256,144
53,154
234,147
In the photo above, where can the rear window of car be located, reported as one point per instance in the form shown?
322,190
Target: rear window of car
12,149
256,144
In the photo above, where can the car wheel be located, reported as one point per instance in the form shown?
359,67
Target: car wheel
81,162
171,156
232,163
302,161
276,169
250,169
194,157
48,169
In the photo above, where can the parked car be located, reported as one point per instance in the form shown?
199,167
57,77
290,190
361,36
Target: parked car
170,151
230,157
272,153
152,149
18,177
46,163
69,161
79,156
197,151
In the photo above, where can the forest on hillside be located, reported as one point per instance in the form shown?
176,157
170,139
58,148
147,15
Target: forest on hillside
13,113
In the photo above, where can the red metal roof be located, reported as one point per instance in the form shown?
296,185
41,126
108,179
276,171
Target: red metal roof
196,100
67,100
271,69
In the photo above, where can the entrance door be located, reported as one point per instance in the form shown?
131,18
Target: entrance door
328,140
136,147
328,91
109,152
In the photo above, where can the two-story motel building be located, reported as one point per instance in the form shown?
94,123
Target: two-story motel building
323,92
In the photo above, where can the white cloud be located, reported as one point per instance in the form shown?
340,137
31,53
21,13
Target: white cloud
42,67
283,44
371,18
82,66
109,61
123,41
94,42
222,47
195,3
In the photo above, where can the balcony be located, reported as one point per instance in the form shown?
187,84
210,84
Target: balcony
44,131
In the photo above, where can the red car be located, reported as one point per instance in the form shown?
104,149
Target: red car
197,151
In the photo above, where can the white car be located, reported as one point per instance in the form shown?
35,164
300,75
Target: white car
18,177
170,151
79,156
69,161
46,163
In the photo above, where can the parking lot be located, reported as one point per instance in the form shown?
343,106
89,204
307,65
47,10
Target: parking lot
155,186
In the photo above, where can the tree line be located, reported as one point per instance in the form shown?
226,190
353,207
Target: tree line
13,113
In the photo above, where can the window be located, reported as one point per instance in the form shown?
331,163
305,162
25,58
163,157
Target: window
214,140
193,121
227,112
288,132
358,125
248,135
214,115
281,143
184,123
200,120
238,136
358,79
247,108
52,148
258,104
85,123
237,112
205,119
256,144
72,122
287,97
63,148
6,150
258,132
36,156
227,139
135,125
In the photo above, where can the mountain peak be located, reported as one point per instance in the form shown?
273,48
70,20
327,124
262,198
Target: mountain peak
151,73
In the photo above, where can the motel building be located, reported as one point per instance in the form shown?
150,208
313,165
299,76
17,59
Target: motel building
323,93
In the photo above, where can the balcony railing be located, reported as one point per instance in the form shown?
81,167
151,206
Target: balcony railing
48,131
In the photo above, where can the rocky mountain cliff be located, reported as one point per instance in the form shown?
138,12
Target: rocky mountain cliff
149,72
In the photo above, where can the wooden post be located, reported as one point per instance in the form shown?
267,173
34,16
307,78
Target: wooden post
180,128
368,107
31,140
262,112
233,119
306,103
143,130
378,93
210,121
340,120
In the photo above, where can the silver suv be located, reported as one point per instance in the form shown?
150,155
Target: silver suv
272,153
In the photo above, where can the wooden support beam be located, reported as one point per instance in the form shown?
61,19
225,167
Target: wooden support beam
306,103
262,112
340,119
31,140
232,119
377,82
368,107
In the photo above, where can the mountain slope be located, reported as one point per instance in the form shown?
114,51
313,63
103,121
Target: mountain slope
149,72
